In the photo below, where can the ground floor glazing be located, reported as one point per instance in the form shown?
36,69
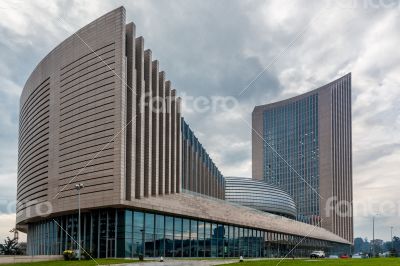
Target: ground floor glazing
130,233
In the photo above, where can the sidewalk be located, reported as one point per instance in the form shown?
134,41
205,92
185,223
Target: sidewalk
182,262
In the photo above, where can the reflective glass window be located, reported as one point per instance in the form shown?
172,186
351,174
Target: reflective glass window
186,238
138,233
149,234
193,238
169,236
159,236
177,237
207,240
201,238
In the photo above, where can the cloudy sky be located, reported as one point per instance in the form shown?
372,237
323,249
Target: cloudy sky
216,48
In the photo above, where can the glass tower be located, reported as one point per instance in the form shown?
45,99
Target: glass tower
292,132
304,146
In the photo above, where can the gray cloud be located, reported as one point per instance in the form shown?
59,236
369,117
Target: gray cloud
369,154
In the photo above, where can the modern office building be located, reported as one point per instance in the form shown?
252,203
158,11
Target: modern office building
303,145
260,195
88,116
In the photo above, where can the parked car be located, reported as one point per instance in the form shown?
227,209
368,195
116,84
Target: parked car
344,256
317,254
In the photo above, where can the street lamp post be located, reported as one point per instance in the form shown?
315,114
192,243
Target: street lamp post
391,236
78,188
373,236
373,233
15,231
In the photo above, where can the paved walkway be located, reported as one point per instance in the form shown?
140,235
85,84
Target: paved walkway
184,263
20,259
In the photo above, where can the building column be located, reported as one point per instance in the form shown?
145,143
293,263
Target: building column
178,145
168,155
148,113
131,113
140,119
162,133
173,140
155,129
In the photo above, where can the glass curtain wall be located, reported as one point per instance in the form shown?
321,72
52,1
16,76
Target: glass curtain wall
292,132
125,233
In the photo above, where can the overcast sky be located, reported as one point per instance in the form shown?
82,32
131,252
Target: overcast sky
216,48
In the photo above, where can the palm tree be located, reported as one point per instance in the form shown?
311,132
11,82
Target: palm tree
10,247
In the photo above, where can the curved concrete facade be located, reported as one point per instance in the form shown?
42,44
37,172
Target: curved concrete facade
259,195
82,120
33,150
70,107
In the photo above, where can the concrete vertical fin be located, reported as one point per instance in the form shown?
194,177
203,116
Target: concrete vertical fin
131,112
179,145
168,138
155,129
140,116
148,113
173,140
162,133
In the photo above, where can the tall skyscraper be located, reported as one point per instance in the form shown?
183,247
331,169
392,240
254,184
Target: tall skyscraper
303,145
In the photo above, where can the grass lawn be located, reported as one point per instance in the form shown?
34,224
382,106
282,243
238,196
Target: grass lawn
324,262
72,263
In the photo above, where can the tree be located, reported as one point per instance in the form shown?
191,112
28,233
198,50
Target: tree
10,247
358,245
396,244
393,246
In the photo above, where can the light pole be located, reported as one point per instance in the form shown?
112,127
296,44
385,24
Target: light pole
78,188
373,236
373,233
15,231
391,236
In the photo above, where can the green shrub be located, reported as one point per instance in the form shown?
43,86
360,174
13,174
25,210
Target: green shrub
68,254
